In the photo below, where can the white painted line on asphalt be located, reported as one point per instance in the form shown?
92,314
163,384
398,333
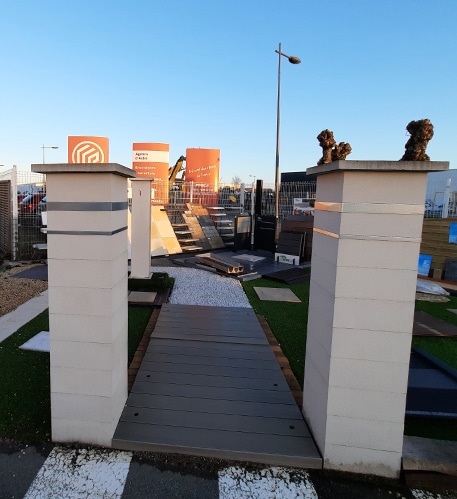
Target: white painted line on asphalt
269,483
424,494
81,473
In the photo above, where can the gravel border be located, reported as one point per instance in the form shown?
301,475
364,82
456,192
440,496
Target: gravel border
14,291
200,287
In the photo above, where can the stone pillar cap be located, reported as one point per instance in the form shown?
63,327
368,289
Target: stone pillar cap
114,168
379,166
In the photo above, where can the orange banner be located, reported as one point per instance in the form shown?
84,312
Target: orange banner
151,160
202,166
86,149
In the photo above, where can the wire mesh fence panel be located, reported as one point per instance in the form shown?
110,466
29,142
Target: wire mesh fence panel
5,218
234,199
31,202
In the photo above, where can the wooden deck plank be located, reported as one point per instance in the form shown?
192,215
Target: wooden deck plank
276,449
209,361
189,369
212,392
242,408
225,422
210,385
213,335
215,349
213,380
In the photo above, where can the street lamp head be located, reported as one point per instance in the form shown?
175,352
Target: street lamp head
294,60
57,147
291,58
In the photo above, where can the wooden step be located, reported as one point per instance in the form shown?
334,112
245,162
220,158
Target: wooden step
191,248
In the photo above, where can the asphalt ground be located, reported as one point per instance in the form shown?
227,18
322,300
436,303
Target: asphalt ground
80,472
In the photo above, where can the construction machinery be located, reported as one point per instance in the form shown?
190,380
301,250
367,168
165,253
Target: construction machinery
175,169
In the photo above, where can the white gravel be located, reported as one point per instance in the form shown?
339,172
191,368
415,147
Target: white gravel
200,287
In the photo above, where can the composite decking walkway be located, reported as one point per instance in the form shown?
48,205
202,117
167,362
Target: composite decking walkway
210,385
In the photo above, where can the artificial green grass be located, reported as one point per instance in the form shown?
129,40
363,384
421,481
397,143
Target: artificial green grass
157,280
287,320
138,320
445,348
24,379
439,429
24,387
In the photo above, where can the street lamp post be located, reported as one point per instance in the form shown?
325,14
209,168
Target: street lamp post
292,60
43,147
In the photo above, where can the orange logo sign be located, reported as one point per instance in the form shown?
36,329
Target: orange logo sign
87,149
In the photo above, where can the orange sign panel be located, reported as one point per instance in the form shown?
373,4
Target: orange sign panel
151,160
202,166
84,149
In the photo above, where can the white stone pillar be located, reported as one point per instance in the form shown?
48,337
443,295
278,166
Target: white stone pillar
367,232
87,279
141,229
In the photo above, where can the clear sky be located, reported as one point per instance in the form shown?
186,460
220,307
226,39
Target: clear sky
203,73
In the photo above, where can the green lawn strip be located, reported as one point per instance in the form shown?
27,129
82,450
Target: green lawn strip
439,429
24,387
138,320
444,348
287,320
24,379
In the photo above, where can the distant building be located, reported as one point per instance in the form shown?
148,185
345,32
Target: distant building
297,177
436,187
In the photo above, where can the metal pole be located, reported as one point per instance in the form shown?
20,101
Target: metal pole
252,212
447,198
42,147
278,119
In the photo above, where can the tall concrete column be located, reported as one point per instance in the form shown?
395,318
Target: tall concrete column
87,278
367,232
141,229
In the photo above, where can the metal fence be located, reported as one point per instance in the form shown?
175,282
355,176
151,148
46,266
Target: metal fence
27,190
441,195
21,221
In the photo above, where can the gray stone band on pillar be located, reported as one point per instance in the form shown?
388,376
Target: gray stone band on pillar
89,206
87,232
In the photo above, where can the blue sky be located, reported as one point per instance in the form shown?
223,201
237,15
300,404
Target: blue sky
204,74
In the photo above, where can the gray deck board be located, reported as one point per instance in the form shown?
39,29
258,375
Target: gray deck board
242,408
211,370
210,385
252,424
214,380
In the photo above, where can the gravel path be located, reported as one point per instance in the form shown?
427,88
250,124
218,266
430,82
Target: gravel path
15,291
200,287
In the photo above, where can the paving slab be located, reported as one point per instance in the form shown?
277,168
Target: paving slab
38,343
276,294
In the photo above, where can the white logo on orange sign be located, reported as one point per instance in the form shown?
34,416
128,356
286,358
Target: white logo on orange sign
88,152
